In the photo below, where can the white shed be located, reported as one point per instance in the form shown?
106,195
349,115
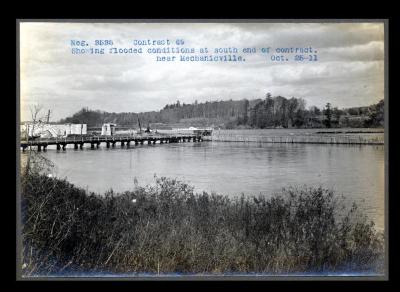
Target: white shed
53,130
108,129
78,129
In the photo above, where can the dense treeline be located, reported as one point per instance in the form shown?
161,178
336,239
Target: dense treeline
270,112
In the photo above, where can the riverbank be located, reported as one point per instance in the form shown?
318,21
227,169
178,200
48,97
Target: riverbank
167,228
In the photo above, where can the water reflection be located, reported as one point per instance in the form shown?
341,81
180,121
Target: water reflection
233,168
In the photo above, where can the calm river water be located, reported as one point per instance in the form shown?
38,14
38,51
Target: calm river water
233,168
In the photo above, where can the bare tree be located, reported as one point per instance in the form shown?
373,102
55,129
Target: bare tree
34,161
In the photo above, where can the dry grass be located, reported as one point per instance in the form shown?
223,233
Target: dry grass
170,229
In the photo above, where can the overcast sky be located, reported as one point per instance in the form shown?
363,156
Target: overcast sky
350,70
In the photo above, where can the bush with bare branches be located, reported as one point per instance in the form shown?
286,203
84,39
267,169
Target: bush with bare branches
167,228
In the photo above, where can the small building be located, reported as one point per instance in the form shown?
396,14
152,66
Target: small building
44,130
78,129
108,129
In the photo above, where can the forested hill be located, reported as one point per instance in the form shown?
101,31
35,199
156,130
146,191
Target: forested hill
256,113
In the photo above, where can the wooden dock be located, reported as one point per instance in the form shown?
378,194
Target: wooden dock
110,141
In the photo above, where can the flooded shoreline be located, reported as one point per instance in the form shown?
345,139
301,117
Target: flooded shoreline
232,168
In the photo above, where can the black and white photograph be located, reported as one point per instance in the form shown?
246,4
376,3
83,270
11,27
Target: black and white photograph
169,149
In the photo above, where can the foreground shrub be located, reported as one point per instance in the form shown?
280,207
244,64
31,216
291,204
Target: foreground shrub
169,229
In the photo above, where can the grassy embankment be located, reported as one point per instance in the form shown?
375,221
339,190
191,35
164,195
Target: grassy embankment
171,229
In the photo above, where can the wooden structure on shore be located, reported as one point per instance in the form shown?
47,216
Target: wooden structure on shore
79,141
360,139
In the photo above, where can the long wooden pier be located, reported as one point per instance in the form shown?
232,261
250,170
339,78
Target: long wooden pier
110,141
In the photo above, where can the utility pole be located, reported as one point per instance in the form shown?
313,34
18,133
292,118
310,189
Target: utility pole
48,116
140,127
